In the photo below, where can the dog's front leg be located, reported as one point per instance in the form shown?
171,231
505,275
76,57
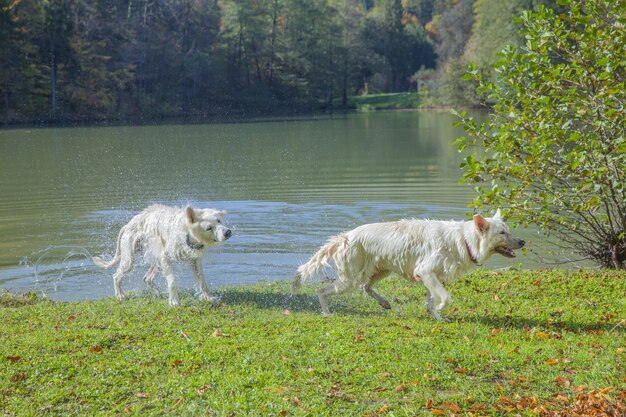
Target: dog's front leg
171,282
437,296
198,274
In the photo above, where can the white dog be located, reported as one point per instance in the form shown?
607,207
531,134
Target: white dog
164,235
426,251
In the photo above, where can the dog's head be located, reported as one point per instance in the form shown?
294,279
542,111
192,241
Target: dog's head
207,225
496,235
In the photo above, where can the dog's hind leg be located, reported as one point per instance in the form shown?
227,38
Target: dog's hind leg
336,287
437,296
125,265
367,287
149,279
198,274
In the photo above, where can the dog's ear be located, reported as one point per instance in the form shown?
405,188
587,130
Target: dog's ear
191,215
481,223
498,215
222,213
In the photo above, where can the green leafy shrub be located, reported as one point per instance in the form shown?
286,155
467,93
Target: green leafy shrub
554,143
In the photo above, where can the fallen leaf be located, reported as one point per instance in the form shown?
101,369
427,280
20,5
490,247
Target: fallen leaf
542,335
95,349
286,312
203,389
18,377
495,331
438,412
379,389
478,408
177,362
564,382
429,404
552,362
296,401
141,395
453,407
383,410
13,358
536,283
400,388
283,413
358,338
71,317
217,333
461,370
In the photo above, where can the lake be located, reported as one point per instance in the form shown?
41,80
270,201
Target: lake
287,185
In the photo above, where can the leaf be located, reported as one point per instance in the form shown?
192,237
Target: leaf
95,349
400,388
429,404
478,408
438,412
552,362
13,358
71,317
358,338
217,333
177,362
383,410
141,395
461,371
204,389
19,377
286,313
296,401
453,407
542,335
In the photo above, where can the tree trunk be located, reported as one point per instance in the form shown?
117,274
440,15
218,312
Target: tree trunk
53,81
271,58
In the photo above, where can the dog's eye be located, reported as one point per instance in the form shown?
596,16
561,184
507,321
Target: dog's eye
503,232
208,229
219,221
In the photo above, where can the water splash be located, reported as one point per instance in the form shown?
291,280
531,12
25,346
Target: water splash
74,262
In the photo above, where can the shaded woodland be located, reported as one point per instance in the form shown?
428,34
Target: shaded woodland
142,60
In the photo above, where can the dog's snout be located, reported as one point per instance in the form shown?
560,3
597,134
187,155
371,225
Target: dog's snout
227,233
522,242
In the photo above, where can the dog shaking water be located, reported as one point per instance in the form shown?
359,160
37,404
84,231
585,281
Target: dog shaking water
426,251
164,235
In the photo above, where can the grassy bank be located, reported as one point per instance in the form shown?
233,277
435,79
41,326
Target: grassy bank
390,101
519,341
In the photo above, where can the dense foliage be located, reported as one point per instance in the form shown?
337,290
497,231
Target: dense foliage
91,59
556,139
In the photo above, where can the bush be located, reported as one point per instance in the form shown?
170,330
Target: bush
554,143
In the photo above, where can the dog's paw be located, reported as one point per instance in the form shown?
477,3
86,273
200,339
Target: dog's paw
385,304
216,301
174,302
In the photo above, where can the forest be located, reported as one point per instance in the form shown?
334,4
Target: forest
145,60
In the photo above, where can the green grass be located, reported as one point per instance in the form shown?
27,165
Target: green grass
390,101
514,336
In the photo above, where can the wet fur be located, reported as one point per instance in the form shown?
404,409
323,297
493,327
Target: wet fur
426,251
164,235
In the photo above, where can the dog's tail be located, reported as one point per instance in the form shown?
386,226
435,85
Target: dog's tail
333,250
116,258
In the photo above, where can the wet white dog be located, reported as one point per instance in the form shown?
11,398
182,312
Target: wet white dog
164,235
426,251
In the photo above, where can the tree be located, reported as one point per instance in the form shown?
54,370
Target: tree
59,26
555,141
